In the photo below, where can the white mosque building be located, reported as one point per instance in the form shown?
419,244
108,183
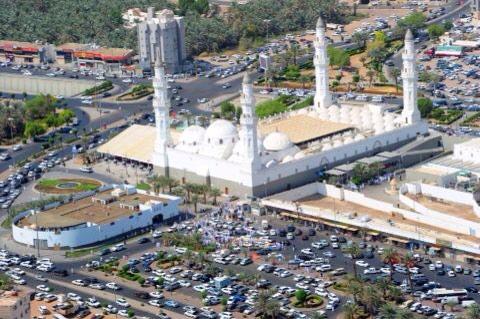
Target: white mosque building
261,157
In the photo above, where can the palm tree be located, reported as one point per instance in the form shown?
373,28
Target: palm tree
473,312
395,294
189,188
203,190
350,310
354,251
384,285
303,79
404,314
156,182
370,299
395,74
171,183
370,75
363,60
354,287
273,309
387,311
215,192
390,257
267,307
195,200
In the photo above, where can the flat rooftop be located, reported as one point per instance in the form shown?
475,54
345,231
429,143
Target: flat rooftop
450,208
84,211
136,142
302,128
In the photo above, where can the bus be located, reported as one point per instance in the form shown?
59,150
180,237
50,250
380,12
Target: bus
440,293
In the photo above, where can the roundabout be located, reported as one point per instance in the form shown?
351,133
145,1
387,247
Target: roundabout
62,186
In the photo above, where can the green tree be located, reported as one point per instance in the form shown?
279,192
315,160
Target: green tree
354,251
227,109
395,72
473,312
387,311
303,79
292,72
391,257
435,31
371,76
425,106
195,200
447,25
215,192
33,128
405,314
414,21
360,38
301,296
338,57
350,310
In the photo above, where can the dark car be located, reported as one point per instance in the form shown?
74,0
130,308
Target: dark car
282,232
304,237
368,255
83,313
143,240
441,272
142,295
298,232
311,232
471,289
290,228
60,272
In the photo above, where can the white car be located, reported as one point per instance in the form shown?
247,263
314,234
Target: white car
86,169
89,102
385,270
92,302
361,263
123,313
73,296
127,80
122,302
112,285
44,288
155,303
97,286
41,278
371,270
451,273
79,282
155,294
181,250
17,148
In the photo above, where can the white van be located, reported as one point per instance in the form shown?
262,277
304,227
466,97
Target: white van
43,310
468,303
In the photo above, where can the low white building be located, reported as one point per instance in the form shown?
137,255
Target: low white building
88,218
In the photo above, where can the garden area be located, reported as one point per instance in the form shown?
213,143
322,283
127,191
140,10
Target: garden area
137,92
63,186
445,116
303,299
98,89
281,104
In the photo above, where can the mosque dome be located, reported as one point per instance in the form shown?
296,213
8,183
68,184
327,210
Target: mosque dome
276,141
192,135
221,131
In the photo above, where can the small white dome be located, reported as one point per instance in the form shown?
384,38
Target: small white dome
221,130
276,141
287,159
192,135
299,155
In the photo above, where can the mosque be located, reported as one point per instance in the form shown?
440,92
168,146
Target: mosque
261,157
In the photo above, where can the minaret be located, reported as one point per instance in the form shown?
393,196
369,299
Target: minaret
323,99
248,123
410,113
161,107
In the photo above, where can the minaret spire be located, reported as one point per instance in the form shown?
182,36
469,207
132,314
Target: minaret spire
323,99
410,113
248,122
161,107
